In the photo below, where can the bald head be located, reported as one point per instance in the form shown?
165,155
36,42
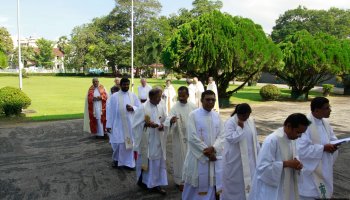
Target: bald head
143,82
95,82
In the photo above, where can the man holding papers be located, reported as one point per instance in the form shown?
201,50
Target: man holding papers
317,153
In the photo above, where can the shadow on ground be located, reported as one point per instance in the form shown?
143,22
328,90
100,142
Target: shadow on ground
57,160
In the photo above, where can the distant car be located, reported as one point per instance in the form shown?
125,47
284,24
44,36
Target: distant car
95,71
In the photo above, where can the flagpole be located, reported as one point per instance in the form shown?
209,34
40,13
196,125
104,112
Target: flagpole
132,45
19,49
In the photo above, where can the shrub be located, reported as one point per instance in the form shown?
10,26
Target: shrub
270,92
327,89
13,100
178,76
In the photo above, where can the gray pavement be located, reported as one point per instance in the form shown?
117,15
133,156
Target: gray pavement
57,160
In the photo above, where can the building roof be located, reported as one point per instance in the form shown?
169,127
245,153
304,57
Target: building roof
55,51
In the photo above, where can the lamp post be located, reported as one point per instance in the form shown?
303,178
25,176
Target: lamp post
132,45
19,49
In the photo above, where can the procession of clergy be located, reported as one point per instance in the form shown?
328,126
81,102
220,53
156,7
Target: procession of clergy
212,159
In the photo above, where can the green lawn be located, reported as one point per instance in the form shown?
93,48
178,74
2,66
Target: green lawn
63,97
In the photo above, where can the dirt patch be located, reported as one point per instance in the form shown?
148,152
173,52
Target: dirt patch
57,160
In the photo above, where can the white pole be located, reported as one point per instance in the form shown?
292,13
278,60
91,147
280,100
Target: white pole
132,45
19,49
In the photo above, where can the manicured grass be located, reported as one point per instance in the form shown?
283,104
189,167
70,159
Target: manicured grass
56,97
63,97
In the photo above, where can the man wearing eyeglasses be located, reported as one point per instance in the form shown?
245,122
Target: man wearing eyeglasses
203,163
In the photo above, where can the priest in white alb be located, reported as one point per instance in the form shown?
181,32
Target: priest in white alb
150,143
199,88
212,86
169,96
240,154
191,91
176,123
202,169
120,112
278,167
317,153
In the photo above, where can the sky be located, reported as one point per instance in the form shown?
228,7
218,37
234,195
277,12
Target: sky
51,19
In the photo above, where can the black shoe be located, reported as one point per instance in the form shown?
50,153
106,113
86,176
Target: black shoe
141,184
159,190
115,164
129,168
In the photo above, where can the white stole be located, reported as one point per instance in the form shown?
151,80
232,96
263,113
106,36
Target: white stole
316,139
122,110
288,154
97,105
208,169
180,127
243,146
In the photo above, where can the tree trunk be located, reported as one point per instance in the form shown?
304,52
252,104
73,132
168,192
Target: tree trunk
296,93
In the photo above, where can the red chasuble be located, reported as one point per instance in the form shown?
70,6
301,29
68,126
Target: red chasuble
93,124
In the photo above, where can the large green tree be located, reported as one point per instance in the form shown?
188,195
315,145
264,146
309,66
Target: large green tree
6,44
309,60
221,46
334,21
205,6
344,64
44,56
6,47
3,60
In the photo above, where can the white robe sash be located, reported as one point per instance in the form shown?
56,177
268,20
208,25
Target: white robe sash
316,139
206,168
288,154
122,110
243,145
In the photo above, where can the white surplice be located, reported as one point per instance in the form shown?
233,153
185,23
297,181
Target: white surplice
169,95
179,136
204,129
143,91
272,181
150,143
119,120
235,185
311,155
212,86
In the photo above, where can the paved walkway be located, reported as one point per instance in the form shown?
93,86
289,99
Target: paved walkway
56,160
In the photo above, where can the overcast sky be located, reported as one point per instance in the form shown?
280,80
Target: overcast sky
51,19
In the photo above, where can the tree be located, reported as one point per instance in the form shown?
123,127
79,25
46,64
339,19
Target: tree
86,47
3,60
309,60
6,47
205,6
335,22
27,54
344,64
6,44
221,46
44,55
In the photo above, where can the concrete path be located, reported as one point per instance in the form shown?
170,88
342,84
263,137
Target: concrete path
57,160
